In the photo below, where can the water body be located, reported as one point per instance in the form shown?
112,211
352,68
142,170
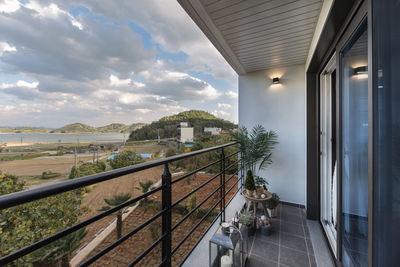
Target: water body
62,137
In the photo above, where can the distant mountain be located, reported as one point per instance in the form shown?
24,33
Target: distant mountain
24,129
119,127
75,128
166,126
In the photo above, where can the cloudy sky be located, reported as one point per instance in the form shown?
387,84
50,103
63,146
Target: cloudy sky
103,61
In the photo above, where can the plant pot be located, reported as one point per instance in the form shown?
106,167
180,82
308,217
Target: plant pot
251,227
266,229
273,212
249,192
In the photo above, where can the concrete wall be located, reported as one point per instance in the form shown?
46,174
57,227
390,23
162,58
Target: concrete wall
281,108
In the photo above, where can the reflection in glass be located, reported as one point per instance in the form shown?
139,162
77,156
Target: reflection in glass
354,154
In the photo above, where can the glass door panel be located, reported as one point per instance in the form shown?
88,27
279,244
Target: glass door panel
354,149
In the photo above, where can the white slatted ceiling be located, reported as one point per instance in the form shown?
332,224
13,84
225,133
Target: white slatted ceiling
266,33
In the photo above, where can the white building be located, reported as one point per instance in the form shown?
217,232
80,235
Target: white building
212,130
185,133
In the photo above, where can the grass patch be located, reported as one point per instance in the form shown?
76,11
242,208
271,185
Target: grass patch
49,175
22,156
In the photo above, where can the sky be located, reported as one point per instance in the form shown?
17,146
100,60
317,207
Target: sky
101,61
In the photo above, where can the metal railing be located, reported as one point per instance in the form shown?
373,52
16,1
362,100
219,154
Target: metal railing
18,198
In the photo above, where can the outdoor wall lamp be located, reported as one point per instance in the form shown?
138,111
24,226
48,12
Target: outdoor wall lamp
361,72
275,80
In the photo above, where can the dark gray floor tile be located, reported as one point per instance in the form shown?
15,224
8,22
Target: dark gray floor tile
312,261
290,210
309,246
266,250
255,261
306,231
303,213
292,218
292,228
273,238
292,257
293,242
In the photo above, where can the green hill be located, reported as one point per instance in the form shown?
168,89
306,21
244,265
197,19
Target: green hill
24,130
119,128
166,126
76,128
112,128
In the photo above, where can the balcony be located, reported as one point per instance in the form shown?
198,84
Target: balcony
177,238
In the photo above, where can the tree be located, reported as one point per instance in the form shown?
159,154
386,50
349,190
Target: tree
87,169
192,205
113,202
124,159
145,187
28,223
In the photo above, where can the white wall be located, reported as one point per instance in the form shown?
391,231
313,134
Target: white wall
280,108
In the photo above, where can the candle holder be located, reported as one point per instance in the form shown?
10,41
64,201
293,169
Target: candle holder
226,250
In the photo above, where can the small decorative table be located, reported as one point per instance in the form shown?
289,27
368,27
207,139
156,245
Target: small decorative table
251,199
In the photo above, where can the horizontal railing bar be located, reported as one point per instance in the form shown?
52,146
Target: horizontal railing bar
227,192
195,171
147,251
233,175
122,239
195,190
193,210
13,199
28,249
208,228
194,228
230,155
233,164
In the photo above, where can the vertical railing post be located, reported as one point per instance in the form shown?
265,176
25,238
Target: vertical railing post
222,183
166,217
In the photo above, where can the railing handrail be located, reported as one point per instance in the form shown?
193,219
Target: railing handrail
21,197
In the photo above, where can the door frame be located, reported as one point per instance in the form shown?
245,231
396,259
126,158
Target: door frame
330,67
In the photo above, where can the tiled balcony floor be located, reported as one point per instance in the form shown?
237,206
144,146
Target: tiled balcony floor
288,245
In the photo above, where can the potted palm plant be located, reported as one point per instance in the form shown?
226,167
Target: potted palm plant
255,149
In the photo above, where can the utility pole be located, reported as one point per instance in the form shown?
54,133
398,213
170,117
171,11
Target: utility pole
158,133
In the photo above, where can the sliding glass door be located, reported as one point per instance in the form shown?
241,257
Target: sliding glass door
354,148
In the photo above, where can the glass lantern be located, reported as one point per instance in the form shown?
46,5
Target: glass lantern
226,248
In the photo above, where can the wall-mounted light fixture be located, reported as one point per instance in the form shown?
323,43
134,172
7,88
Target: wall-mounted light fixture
361,72
275,80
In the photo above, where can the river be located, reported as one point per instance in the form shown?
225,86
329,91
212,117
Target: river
62,137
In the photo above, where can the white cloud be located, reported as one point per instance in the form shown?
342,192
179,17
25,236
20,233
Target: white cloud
221,114
98,71
232,94
224,105
51,11
9,6
20,83
179,86
115,81
5,47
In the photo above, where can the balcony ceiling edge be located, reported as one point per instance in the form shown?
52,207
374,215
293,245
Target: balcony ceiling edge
196,10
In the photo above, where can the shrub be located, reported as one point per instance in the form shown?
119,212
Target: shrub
124,159
49,175
249,182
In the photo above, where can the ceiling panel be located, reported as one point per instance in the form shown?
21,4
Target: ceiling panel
263,34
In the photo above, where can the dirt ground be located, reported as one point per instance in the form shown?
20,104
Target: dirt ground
94,200
38,165
135,245
146,148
